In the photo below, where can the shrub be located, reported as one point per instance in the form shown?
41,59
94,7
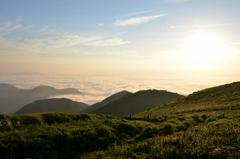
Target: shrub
29,119
2,116
181,127
197,118
51,118
204,117
187,124
80,117
106,135
157,119
108,122
181,118
126,128
149,132
169,128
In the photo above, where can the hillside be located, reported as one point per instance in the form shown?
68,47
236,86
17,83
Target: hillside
53,105
215,98
12,99
137,102
106,101
7,88
172,130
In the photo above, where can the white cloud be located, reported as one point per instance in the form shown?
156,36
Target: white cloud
137,20
136,13
7,28
71,40
97,88
101,24
120,33
109,42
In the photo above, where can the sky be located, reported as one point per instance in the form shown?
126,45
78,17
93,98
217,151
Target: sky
128,38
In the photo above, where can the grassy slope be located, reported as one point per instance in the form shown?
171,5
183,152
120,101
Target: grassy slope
212,99
203,133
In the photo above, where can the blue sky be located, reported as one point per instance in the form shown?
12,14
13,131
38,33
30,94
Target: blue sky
109,36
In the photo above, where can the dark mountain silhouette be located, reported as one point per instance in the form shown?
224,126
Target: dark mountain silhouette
53,105
12,99
106,101
137,102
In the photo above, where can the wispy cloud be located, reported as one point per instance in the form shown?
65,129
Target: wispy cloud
137,20
72,40
136,13
109,42
8,27
120,33
101,24
62,41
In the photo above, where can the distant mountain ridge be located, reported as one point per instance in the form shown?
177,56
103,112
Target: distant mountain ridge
12,98
137,102
62,105
106,101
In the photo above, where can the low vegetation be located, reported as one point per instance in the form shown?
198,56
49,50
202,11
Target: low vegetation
188,128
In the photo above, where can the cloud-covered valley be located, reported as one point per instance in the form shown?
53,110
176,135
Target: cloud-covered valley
97,88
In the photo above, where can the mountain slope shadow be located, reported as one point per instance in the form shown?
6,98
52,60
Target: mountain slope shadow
53,105
106,101
137,102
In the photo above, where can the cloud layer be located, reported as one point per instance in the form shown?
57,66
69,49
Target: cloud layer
97,88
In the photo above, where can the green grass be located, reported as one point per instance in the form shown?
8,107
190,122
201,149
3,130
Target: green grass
98,136
195,127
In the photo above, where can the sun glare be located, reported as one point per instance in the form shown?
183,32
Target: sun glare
204,51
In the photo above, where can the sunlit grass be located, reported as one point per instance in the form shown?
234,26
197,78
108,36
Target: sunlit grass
202,125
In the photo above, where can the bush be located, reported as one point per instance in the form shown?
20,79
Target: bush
181,127
181,118
80,117
197,118
51,118
169,128
187,124
106,135
149,132
29,119
2,116
204,117
126,128
157,119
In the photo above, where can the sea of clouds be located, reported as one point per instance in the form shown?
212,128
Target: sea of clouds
97,88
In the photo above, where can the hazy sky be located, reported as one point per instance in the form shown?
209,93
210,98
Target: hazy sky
100,37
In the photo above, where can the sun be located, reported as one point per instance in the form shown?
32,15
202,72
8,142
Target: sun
203,51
